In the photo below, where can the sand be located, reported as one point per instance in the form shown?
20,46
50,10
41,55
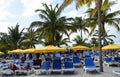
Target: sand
108,72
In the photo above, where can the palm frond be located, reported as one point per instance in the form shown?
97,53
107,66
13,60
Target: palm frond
36,24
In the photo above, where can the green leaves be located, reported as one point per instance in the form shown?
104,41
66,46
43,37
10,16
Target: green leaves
104,5
51,23
94,11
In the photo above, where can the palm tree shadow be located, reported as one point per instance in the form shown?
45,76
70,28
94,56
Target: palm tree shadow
93,72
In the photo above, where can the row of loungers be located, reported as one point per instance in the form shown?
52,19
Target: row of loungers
56,66
75,59
109,61
68,66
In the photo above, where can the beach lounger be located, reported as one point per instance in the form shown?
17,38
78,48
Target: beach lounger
44,68
17,60
108,61
89,65
7,72
68,67
27,71
66,59
76,61
57,66
37,63
117,73
117,60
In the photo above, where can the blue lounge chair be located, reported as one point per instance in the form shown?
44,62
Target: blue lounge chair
117,61
108,61
17,60
57,65
68,67
44,68
27,71
58,55
7,72
89,65
4,69
76,61
117,72
66,59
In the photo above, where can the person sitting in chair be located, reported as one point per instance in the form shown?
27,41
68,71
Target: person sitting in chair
13,67
26,67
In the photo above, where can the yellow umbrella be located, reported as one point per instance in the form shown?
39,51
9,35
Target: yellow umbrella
1,53
31,50
50,48
94,48
111,47
80,47
16,51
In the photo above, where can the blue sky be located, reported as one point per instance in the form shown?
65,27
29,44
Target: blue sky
23,12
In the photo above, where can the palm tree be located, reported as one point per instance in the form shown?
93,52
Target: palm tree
79,41
94,42
52,23
98,7
105,38
4,42
106,17
59,40
15,36
30,38
12,39
79,24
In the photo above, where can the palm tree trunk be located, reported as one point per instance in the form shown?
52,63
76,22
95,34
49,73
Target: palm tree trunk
53,36
103,33
99,29
81,35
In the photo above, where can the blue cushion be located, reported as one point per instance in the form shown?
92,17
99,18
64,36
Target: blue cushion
68,65
56,64
108,59
45,65
76,59
89,62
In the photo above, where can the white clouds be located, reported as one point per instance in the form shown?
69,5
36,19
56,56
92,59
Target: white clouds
7,18
116,6
72,13
4,4
31,5
4,26
4,14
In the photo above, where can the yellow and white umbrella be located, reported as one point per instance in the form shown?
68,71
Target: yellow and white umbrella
94,48
17,51
111,47
50,48
1,53
80,47
31,50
